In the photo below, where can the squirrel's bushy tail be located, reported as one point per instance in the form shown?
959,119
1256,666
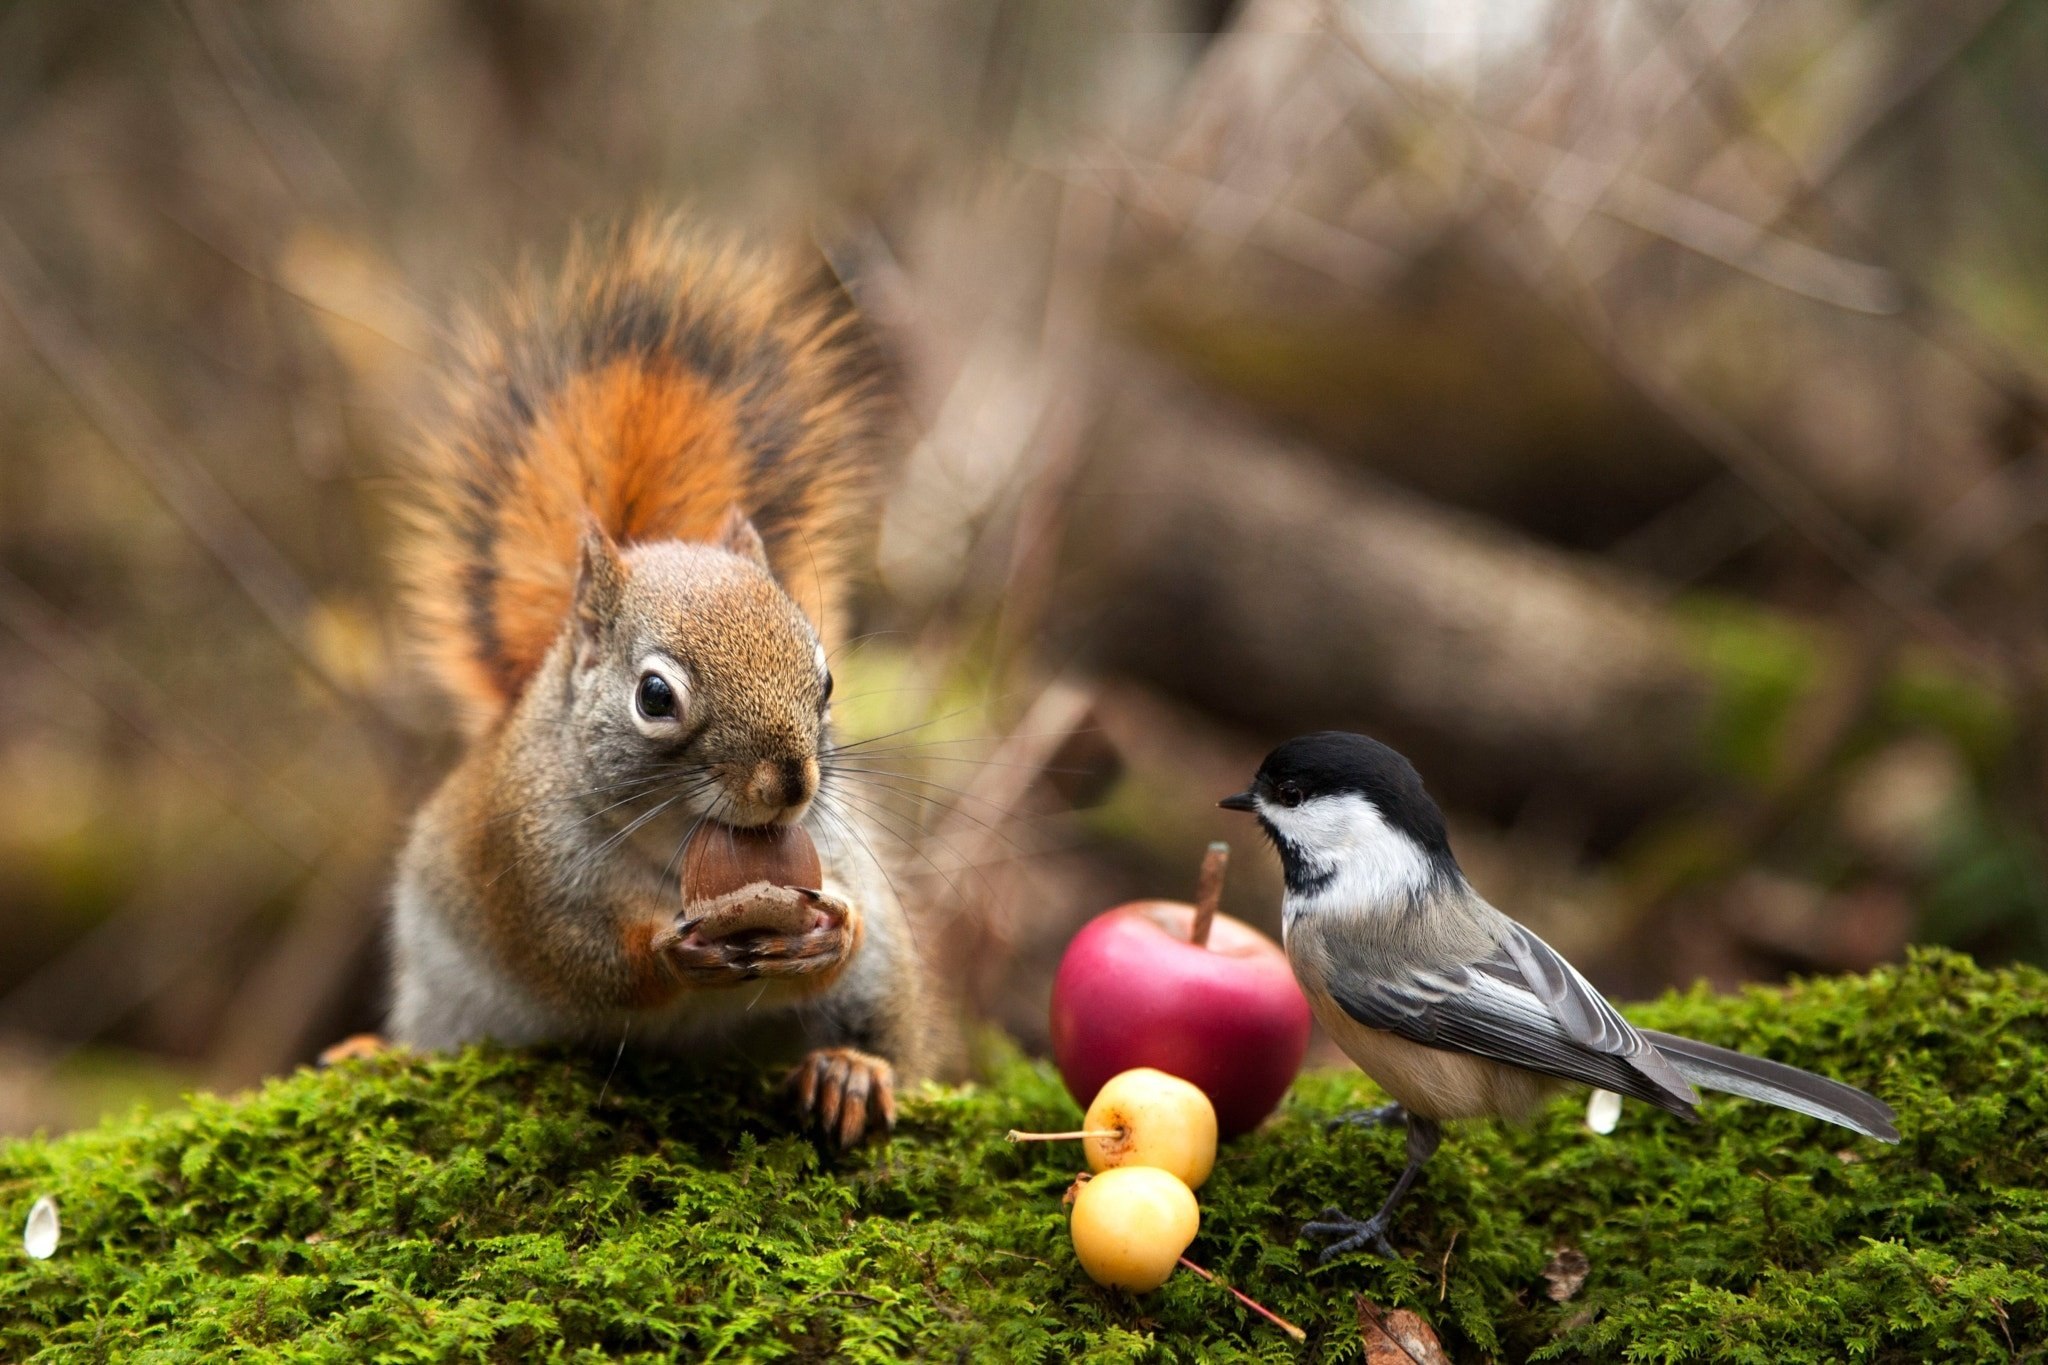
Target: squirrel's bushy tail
663,377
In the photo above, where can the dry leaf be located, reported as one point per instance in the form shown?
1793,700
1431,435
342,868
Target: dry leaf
1567,1273
1397,1337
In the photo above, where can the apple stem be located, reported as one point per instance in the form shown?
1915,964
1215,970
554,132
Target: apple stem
1248,1301
1209,892
1018,1135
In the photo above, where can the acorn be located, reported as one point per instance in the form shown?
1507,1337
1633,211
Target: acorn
745,880
723,858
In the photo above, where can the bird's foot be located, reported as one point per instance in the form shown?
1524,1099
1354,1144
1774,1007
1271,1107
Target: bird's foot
1352,1234
1379,1116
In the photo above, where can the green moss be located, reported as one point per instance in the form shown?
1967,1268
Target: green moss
503,1207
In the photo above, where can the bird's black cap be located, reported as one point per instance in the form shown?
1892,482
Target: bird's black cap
1337,762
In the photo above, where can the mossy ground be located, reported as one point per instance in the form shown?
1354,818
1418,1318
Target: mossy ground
503,1207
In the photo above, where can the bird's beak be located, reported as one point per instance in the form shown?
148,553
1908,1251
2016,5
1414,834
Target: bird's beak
1241,801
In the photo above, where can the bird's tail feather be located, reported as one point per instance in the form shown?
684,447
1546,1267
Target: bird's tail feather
1753,1078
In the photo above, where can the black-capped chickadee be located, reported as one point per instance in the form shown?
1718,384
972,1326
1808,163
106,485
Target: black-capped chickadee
1456,1010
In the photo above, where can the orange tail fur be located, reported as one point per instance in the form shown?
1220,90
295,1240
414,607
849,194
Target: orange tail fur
662,379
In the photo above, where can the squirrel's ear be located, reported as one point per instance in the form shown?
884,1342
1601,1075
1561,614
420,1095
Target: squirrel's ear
736,534
600,589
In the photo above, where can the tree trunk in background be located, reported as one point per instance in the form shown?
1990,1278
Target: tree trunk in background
1244,573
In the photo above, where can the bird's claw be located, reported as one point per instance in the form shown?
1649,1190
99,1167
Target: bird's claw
1353,1234
1379,1116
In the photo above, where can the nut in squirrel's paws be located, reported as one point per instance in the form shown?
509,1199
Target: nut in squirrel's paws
750,910
845,1095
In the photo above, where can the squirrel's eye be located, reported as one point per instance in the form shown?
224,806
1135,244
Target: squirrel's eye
826,695
657,700
1289,794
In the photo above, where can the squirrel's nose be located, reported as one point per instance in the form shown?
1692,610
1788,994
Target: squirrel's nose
782,784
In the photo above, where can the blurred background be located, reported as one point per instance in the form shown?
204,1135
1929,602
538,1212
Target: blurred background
1633,409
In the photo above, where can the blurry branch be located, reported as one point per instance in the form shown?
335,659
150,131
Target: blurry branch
2006,503
1157,191
1930,317
1700,227
1215,139
1693,536
1012,918
304,166
1067,337
974,826
1615,144
131,698
198,501
1929,55
1878,574
1805,510
381,310
1296,118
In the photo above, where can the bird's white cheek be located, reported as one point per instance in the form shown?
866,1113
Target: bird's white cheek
1373,866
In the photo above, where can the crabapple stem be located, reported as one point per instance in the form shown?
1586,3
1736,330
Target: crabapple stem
1019,1135
1209,892
1248,1301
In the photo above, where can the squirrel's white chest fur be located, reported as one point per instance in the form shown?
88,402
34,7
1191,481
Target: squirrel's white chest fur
452,992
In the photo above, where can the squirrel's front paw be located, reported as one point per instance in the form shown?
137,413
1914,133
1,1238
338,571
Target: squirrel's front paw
845,1094
762,931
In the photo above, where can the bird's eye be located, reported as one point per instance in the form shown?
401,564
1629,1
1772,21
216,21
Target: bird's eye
1288,795
656,699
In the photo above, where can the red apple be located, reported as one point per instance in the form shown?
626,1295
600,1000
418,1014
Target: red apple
1150,984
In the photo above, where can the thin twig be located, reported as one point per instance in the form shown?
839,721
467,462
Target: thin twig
1248,1301
1705,229
1019,1135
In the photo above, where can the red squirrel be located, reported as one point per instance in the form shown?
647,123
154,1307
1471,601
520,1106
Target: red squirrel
638,508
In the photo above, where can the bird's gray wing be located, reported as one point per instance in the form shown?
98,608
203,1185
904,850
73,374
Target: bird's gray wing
1522,1005
1585,1014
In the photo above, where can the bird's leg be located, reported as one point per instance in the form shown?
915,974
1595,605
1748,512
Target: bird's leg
1352,1233
1379,1116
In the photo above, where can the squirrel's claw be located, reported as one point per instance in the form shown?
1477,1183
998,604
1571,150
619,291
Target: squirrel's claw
845,1095
705,957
